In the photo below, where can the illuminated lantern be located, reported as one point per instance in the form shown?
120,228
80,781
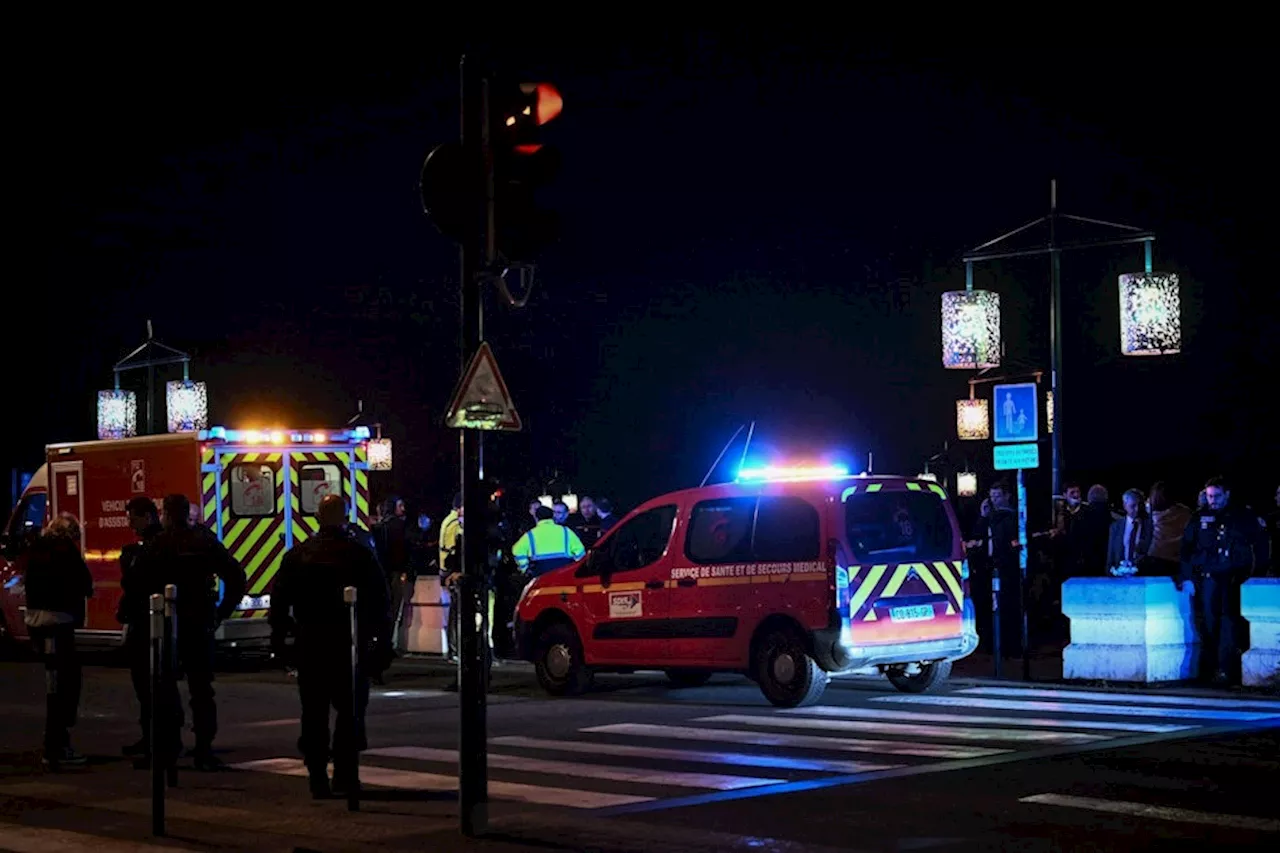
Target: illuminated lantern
546,500
379,454
117,414
187,403
966,484
970,329
571,501
928,475
1150,314
1048,410
973,420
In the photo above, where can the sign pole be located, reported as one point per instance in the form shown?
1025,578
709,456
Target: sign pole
473,783
1022,573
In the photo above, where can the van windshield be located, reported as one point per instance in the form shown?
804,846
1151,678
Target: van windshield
895,527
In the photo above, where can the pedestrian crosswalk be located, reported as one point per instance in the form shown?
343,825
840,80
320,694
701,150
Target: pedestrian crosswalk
634,763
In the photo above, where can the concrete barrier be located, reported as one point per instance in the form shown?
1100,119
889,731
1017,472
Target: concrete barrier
425,623
1129,629
1260,607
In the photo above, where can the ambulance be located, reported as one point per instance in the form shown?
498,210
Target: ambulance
787,575
258,490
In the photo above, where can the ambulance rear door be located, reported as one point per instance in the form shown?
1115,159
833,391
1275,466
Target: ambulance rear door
245,503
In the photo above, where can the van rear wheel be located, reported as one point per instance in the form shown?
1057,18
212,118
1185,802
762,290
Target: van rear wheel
788,676
687,677
921,677
559,663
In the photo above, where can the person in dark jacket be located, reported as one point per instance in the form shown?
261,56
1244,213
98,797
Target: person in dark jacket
1219,553
999,529
57,584
191,558
1130,537
133,612
307,602
395,544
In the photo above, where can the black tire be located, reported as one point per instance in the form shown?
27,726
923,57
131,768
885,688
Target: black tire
788,675
930,677
559,663
687,677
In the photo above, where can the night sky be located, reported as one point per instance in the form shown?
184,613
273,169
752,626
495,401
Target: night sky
753,229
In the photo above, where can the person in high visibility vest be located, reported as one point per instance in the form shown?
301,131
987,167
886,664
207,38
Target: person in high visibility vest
547,546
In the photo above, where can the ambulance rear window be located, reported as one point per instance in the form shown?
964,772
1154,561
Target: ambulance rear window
893,527
253,490
317,480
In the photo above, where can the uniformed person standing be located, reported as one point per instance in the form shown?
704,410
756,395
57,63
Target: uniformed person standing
549,545
191,558
1218,555
306,601
133,612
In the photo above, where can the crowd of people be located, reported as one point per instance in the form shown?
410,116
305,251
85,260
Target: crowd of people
1208,551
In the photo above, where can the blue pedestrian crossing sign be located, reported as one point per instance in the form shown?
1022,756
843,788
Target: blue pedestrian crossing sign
1016,412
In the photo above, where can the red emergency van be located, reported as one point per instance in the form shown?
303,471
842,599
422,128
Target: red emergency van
258,490
786,575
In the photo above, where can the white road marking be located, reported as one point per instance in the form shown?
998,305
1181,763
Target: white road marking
952,732
408,780
708,781
1137,698
693,756
409,694
1035,722
29,839
1074,708
833,744
1259,824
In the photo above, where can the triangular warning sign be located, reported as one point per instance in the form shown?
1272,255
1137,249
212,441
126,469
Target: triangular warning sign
481,400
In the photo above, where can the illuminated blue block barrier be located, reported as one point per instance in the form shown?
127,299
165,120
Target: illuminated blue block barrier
1129,629
1260,607
426,617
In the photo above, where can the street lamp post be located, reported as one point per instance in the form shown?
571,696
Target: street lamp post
990,251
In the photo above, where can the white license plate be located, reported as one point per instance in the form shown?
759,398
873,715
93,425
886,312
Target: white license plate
915,613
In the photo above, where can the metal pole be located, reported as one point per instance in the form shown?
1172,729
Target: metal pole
159,715
1055,339
1022,574
473,784
353,788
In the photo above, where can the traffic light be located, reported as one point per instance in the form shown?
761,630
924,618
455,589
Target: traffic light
522,164
451,190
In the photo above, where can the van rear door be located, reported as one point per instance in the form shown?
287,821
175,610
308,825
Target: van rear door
906,553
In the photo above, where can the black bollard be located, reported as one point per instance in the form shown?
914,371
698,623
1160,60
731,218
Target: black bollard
170,669
353,789
157,733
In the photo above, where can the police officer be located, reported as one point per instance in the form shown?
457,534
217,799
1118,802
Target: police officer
132,612
191,558
1218,554
549,545
306,601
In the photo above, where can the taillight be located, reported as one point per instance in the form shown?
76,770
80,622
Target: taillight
964,569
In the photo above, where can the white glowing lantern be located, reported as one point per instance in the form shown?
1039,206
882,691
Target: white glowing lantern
571,501
379,454
928,475
973,419
187,403
117,414
1048,410
970,329
966,484
1150,314
547,501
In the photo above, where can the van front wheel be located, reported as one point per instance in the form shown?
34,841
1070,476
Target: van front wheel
788,676
920,677
559,664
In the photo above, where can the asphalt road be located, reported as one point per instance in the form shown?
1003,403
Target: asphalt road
639,765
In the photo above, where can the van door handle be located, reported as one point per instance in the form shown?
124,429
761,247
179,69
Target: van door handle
654,585
687,582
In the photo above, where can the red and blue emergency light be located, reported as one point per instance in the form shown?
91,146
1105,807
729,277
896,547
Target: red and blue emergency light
792,473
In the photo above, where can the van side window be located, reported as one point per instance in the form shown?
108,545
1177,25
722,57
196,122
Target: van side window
720,531
642,540
29,515
253,490
315,481
891,527
787,531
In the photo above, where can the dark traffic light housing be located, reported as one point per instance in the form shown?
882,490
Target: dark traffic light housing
453,184
523,163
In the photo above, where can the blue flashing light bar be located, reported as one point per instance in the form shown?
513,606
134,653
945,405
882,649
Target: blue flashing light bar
792,474
278,436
